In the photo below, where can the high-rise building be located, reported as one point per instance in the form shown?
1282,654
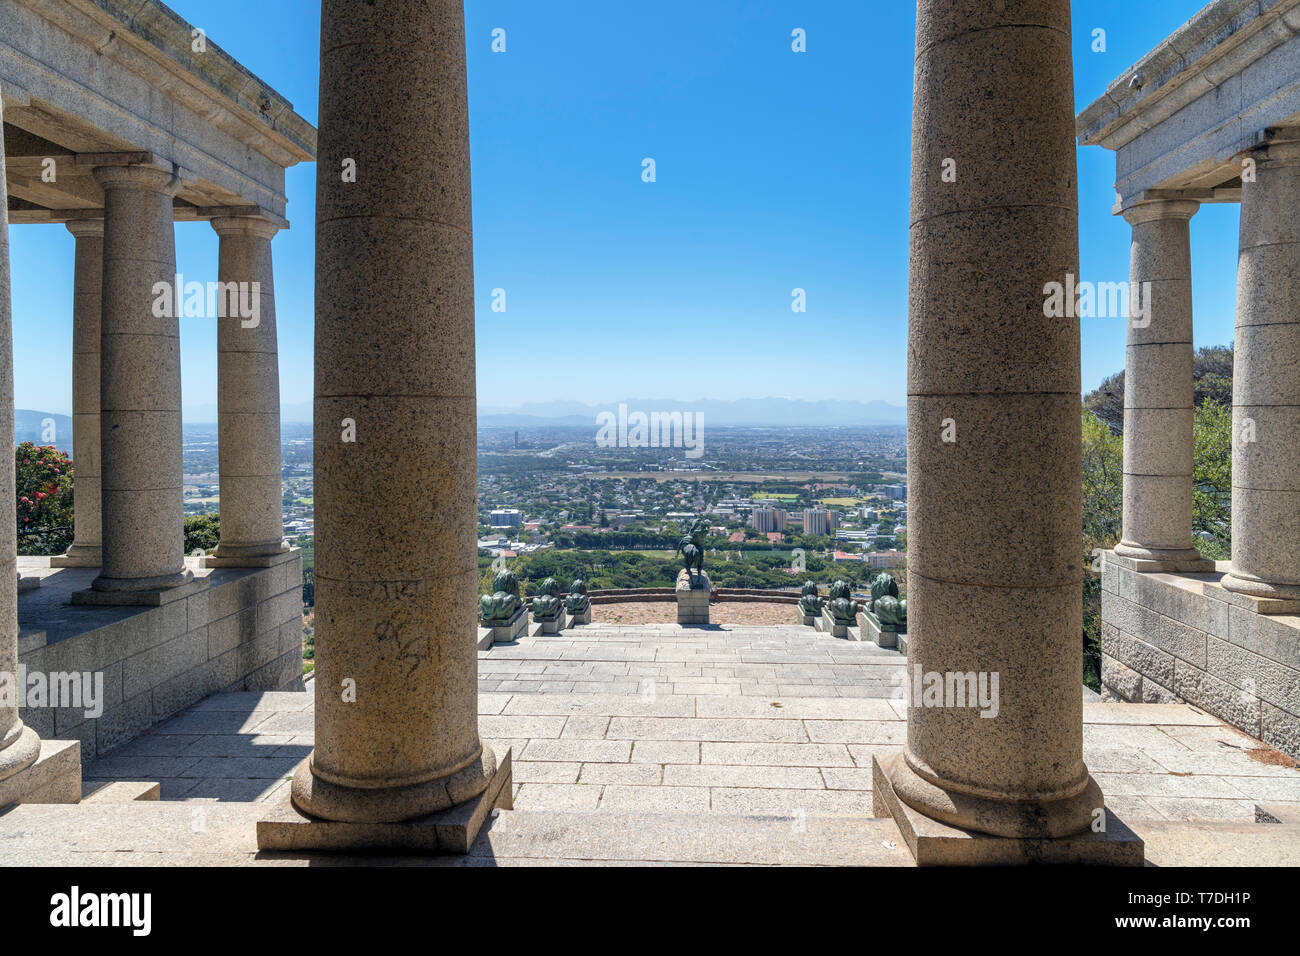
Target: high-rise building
816,521
767,519
505,518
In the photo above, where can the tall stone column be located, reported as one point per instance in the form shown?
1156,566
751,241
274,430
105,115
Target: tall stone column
140,391
19,744
1158,392
994,561
1266,381
248,397
87,298
395,430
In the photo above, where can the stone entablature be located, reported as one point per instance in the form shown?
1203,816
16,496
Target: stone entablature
1174,638
83,78
1181,117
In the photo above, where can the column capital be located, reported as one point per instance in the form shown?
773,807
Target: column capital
1282,151
86,228
137,177
1153,210
257,226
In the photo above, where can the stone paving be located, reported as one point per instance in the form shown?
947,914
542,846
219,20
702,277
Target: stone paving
746,720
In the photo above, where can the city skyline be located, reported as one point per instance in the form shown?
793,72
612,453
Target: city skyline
767,181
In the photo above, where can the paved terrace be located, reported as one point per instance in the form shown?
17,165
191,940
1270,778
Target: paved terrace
768,730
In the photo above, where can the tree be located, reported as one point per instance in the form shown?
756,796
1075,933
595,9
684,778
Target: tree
1212,480
1106,402
1211,373
44,490
1103,503
202,532
1103,484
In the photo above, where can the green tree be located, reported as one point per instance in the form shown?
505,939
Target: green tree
1103,484
202,532
1212,478
1103,501
44,490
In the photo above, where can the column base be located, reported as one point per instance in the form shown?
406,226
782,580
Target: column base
1255,587
238,558
934,843
1155,560
79,556
452,829
115,591
52,776
326,800
248,556
20,753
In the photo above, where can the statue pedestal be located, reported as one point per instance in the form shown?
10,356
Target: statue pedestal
805,620
553,626
872,631
510,630
849,632
582,618
693,597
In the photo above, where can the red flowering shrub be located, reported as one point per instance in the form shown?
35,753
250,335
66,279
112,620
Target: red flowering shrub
44,499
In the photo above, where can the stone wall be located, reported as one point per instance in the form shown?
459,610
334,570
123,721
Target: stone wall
1179,638
243,633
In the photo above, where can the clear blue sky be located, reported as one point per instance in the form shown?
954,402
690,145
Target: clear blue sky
775,171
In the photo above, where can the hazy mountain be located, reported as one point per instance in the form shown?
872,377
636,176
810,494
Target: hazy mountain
744,411
33,426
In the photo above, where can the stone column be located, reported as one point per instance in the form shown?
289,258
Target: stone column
140,390
85,550
994,563
1266,382
19,744
395,431
248,397
1158,392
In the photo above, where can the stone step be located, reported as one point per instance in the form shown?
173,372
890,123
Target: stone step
610,837
120,791
179,833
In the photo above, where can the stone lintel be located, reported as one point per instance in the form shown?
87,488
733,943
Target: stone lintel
936,844
136,157
151,598
181,212
1228,193
286,828
55,777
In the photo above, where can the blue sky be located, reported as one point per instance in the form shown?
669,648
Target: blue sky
775,170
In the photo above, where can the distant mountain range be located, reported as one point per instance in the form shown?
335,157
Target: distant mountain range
744,411
31,425
43,428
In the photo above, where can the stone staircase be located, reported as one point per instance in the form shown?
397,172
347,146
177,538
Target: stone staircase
734,733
